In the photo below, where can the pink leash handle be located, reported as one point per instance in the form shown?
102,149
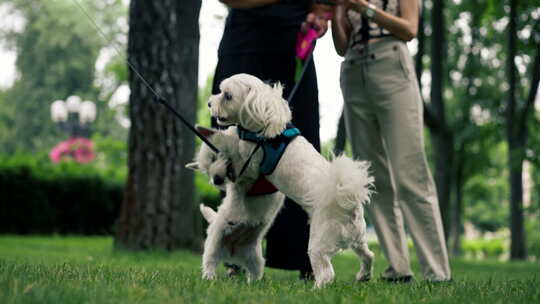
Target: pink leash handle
304,41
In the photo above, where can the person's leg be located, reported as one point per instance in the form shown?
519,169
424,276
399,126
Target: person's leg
287,240
402,128
364,135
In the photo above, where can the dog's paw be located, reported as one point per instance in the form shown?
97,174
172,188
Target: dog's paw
209,276
253,277
322,282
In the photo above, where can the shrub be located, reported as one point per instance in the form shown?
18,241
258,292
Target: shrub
40,197
68,198
533,238
484,248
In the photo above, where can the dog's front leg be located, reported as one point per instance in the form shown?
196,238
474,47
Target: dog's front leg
211,257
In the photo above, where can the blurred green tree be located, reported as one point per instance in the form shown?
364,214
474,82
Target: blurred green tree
472,97
486,194
468,86
517,113
57,49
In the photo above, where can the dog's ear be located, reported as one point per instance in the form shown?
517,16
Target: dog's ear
265,111
193,166
206,132
251,114
281,112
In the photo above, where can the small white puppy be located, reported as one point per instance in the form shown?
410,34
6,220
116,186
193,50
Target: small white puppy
333,193
236,231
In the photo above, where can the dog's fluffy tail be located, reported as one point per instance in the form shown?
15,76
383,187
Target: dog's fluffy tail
348,184
208,213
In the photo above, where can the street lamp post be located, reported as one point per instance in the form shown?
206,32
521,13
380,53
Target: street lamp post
74,116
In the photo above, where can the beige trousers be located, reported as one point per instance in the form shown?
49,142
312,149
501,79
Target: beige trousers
383,114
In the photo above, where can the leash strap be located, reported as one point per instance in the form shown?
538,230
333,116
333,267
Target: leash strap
158,97
204,139
244,167
308,61
305,46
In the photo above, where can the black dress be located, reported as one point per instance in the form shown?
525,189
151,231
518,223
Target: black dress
261,42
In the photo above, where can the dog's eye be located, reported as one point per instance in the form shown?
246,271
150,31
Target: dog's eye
227,96
214,157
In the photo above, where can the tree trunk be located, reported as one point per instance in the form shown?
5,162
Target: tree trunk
158,209
456,227
517,243
429,117
421,37
516,145
442,136
517,135
443,155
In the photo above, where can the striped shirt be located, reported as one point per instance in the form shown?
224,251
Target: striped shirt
363,29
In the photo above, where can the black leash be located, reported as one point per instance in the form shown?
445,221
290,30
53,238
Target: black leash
158,97
304,69
246,163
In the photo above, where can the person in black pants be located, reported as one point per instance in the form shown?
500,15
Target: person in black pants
259,39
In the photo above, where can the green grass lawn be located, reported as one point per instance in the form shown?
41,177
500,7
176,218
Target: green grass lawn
87,270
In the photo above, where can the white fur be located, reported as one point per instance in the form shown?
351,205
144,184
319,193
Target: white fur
257,114
246,217
333,193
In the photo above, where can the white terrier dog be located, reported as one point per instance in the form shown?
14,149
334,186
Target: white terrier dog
332,193
235,232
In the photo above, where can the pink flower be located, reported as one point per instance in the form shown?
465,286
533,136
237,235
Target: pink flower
78,148
60,151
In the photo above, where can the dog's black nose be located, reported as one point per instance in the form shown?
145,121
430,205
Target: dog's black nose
209,104
218,180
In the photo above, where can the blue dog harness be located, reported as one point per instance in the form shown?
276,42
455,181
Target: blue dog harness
273,148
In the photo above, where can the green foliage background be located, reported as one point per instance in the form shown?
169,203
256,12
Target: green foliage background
56,58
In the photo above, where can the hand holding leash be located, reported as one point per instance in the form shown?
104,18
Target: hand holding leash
314,27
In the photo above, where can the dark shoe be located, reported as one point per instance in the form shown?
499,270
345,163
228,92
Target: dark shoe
403,279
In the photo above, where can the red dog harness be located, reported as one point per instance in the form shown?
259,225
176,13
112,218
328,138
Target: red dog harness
261,187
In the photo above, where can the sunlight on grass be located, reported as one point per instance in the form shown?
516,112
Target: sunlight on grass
87,269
